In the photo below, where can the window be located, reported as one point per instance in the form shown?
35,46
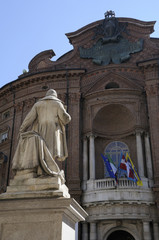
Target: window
3,137
114,150
112,85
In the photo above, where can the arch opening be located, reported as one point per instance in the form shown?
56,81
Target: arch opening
120,235
114,150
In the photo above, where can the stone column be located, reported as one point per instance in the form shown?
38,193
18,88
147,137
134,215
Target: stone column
155,231
85,231
93,231
146,231
76,231
140,159
85,163
148,157
91,157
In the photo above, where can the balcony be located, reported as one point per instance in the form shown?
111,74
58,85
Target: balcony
111,183
125,190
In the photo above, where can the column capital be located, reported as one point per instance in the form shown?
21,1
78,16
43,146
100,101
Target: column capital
147,134
91,134
93,221
84,137
155,221
146,221
139,131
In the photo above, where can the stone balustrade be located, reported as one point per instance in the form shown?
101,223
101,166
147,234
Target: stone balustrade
111,183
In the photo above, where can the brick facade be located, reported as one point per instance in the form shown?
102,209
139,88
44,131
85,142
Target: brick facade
114,114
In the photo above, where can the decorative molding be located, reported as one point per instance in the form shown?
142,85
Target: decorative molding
43,57
29,78
152,90
108,204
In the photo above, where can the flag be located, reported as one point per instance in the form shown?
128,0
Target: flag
130,172
123,164
111,168
133,171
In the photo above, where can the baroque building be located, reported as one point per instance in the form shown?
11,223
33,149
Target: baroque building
110,84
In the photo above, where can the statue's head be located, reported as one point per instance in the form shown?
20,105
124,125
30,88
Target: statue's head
51,92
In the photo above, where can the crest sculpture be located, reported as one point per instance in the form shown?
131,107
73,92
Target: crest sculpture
111,47
110,29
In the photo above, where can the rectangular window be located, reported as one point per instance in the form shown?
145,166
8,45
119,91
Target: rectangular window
3,137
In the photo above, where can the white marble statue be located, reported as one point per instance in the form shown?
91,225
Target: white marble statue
46,141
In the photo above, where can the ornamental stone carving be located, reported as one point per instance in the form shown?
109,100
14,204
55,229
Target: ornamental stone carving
152,90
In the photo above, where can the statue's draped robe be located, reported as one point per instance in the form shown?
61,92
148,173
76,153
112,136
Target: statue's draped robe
47,139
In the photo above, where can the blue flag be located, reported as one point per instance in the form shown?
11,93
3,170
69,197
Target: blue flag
111,168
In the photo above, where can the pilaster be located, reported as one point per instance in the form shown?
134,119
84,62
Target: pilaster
140,159
151,72
93,231
91,157
85,231
146,231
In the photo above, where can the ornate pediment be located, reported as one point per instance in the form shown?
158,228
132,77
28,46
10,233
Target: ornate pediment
116,80
41,60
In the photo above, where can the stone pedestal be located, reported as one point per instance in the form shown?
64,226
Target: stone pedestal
38,209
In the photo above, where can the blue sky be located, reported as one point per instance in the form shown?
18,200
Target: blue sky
28,27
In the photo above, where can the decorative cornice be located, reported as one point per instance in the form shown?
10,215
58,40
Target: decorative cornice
138,23
148,62
105,203
30,78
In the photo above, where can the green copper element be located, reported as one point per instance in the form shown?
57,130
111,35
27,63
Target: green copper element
118,52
